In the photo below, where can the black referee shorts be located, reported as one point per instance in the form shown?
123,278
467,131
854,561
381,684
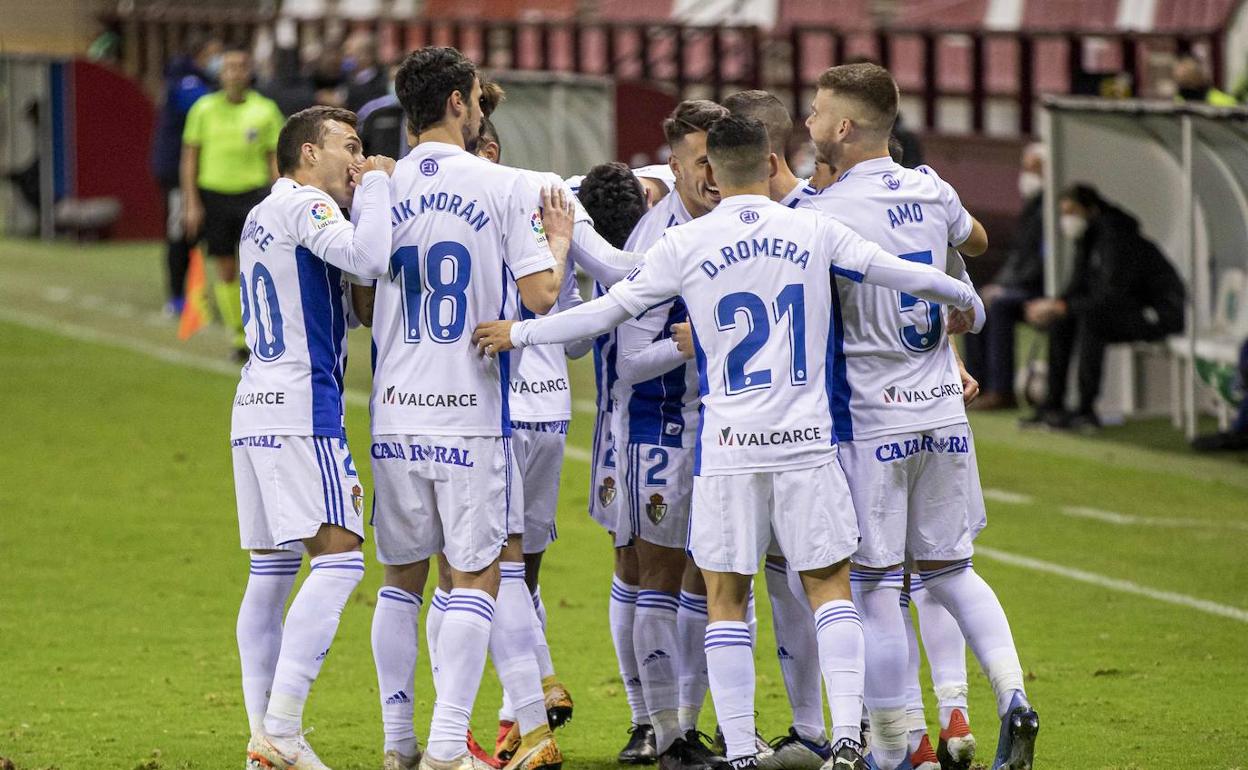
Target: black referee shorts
224,217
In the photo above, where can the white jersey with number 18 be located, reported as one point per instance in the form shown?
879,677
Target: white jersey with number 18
895,370
464,230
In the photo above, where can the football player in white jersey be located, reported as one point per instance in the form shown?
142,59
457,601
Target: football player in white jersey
617,200
754,275
466,234
806,746
541,410
296,485
906,445
655,419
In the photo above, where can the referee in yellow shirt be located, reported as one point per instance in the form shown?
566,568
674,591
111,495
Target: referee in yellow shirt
229,162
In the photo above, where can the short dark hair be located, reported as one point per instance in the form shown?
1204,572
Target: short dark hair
896,150
767,109
426,79
492,95
690,117
870,85
490,134
614,197
303,127
738,149
1085,195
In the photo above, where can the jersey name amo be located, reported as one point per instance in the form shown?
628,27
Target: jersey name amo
756,248
904,214
448,203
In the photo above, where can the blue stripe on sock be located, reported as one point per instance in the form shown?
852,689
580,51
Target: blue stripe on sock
406,598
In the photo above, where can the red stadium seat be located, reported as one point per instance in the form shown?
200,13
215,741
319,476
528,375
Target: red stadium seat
635,10
1179,15
842,14
942,14
1082,15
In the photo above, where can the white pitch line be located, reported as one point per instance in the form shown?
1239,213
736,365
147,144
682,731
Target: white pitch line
1004,496
1114,584
1130,520
577,453
584,405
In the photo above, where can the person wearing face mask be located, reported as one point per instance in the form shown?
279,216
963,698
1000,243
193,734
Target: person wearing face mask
1193,84
1122,289
990,354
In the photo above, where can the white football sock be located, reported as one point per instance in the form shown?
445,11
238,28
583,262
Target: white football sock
946,651
655,640
395,648
621,612
730,664
842,662
916,720
691,660
462,645
512,645
433,627
545,664
309,632
878,596
980,616
259,627
798,651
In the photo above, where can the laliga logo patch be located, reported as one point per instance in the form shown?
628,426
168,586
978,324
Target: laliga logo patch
428,167
749,216
535,221
656,509
606,491
891,182
357,499
322,215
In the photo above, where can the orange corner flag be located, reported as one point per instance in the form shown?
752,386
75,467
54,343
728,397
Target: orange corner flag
195,311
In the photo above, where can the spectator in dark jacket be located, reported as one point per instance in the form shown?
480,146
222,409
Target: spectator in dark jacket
990,354
186,79
1122,289
367,79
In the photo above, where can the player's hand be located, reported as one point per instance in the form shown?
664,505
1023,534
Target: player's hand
376,163
493,337
193,217
557,213
970,385
683,334
959,321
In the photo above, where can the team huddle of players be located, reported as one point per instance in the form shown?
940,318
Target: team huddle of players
775,385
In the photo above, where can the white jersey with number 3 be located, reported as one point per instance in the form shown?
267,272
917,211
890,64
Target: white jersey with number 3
754,275
893,367
464,230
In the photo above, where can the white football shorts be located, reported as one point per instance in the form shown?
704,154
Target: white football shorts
288,487
808,512
537,448
447,494
604,479
918,495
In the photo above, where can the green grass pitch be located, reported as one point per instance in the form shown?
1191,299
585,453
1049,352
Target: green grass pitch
120,573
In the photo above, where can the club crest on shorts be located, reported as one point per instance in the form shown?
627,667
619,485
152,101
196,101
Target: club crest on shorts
357,499
656,509
606,491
